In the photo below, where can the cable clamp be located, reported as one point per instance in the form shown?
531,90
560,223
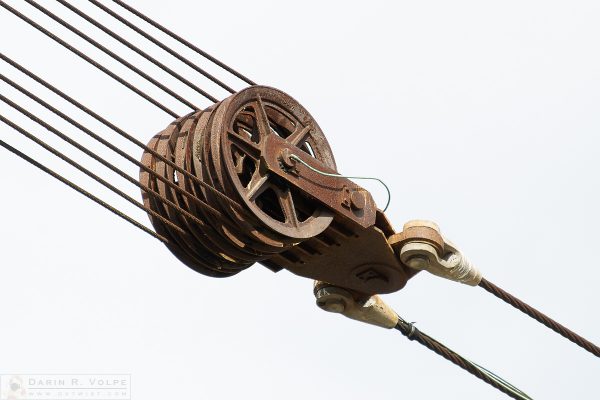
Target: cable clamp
360,307
420,246
413,329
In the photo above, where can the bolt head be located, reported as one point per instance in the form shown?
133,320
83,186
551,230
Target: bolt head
332,305
418,262
358,200
286,160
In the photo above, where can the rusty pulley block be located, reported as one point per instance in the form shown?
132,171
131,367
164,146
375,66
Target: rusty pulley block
252,201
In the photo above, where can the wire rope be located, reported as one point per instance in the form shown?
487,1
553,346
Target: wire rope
164,47
137,50
114,56
387,189
409,330
71,184
89,60
540,317
120,131
182,41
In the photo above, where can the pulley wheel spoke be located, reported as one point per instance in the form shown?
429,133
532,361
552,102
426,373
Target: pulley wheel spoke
298,137
262,119
247,119
287,206
245,145
258,184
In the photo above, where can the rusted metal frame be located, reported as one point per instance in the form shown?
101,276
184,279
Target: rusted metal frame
355,253
88,59
333,192
82,191
137,50
202,249
206,243
164,47
182,153
116,129
83,169
104,142
360,260
178,148
157,205
182,41
113,55
194,132
248,106
347,253
214,172
377,269
420,233
196,255
220,175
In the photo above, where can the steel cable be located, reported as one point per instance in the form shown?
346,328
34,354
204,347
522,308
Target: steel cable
137,50
540,317
89,60
102,161
181,234
370,178
120,131
82,169
82,191
412,333
79,167
108,145
163,46
114,56
181,40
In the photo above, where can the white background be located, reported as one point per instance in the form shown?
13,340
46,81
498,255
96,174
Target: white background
482,116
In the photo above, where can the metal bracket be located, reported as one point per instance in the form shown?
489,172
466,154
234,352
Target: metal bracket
364,308
344,197
424,253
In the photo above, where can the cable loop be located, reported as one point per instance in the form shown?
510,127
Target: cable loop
389,194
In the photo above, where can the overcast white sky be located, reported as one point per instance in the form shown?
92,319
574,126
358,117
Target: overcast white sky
482,116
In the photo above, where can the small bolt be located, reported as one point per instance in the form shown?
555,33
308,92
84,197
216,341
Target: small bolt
418,262
286,160
332,305
358,200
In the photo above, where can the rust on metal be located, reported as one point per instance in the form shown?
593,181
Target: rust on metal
423,231
271,209
340,195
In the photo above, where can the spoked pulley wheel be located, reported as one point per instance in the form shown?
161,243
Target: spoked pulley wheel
248,119
229,210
